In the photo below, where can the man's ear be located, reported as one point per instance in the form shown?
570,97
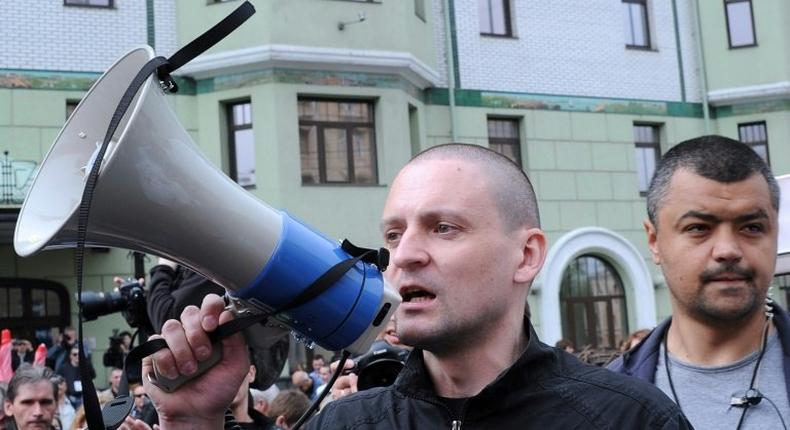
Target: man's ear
652,241
8,408
532,256
280,422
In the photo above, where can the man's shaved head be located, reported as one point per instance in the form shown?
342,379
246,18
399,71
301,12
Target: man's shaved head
509,186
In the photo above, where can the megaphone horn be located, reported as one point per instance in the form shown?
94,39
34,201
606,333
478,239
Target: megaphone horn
158,194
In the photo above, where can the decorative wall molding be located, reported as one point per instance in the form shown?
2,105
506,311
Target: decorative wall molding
750,94
312,58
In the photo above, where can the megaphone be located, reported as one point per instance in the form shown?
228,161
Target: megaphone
156,193
783,245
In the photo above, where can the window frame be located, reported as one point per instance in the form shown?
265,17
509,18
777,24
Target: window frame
569,302
764,125
510,141
110,4
656,146
348,127
27,286
507,7
727,24
233,167
648,46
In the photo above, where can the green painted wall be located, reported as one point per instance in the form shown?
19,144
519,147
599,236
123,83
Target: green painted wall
275,22
768,62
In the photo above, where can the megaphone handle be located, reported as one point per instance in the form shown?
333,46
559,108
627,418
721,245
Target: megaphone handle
172,384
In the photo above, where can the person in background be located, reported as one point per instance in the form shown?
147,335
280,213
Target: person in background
565,345
242,407
315,374
287,407
262,400
304,383
115,383
712,225
22,353
143,409
70,370
31,398
59,353
65,410
634,339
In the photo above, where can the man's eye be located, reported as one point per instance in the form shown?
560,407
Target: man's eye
696,228
754,228
445,228
392,236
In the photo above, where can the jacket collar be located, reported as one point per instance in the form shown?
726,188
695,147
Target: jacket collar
414,380
643,359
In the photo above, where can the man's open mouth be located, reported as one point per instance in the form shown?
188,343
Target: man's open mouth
416,296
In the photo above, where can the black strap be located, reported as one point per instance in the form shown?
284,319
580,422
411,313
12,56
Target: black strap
163,67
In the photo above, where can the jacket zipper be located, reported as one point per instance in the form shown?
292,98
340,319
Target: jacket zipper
455,425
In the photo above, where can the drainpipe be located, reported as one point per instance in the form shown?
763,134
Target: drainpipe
681,75
448,54
702,71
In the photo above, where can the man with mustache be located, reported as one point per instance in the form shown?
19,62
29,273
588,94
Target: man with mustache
724,355
462,226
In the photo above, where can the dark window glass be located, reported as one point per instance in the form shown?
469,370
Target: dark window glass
755,135
740,23
648,152
93,3
503,138
419,9
637,30
593,304
494,17
71,105
241,142
30,307
337,142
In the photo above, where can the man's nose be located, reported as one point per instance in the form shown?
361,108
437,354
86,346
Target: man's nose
410,251
727,246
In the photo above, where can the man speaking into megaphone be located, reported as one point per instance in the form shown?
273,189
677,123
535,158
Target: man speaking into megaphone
462,227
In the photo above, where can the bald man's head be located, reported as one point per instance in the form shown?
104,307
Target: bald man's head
509,186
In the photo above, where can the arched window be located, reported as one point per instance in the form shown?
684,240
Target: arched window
31,307
593,304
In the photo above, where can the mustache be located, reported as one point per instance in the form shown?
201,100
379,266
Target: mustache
726,269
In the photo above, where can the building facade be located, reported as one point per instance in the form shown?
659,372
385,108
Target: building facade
314,105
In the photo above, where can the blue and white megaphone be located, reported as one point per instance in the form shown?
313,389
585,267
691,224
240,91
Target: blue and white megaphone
158,194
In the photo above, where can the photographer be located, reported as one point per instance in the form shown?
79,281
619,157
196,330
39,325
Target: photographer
60,351
120,344
377,368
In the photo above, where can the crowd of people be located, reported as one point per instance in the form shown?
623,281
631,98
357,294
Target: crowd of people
464,252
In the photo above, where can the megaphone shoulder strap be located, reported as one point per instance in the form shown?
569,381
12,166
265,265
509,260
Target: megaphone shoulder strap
162,67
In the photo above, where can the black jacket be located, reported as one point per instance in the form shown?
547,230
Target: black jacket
173,290
545,389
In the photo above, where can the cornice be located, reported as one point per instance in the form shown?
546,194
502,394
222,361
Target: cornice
750,94
313,58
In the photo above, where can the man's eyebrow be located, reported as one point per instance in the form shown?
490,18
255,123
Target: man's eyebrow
704,216
758,214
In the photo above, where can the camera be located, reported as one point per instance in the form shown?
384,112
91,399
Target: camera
129,299
380,365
